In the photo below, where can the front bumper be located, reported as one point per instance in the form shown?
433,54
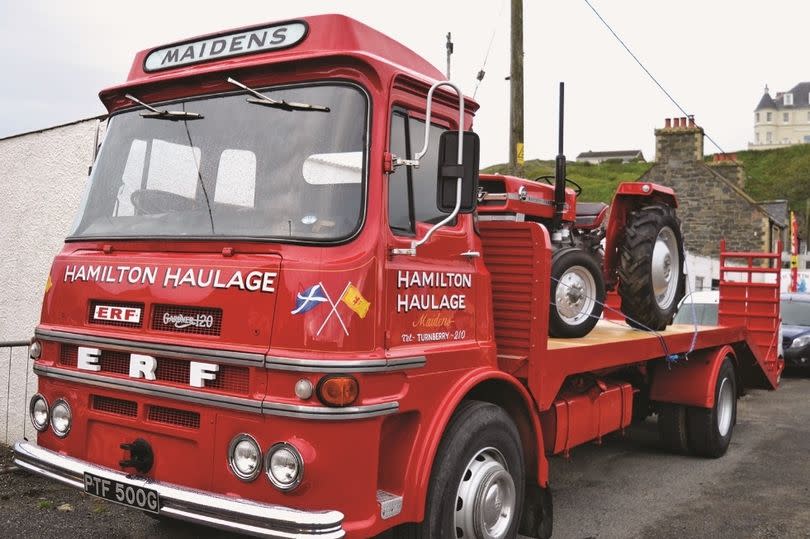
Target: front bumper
232,514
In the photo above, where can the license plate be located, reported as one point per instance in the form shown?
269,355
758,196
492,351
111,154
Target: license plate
138,497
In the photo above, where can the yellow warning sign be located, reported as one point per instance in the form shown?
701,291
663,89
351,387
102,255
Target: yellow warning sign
794,261
520,154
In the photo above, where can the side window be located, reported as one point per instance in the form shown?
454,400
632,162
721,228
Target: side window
424,178
412,191
400,181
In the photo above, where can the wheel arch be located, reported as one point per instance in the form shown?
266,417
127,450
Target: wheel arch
692,382
495,387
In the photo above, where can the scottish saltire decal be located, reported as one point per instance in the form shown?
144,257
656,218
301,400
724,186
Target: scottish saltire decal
309,299
316,295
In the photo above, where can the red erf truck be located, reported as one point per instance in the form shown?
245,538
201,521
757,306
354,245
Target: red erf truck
268,320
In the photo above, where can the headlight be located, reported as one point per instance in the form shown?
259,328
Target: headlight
284,466
245,457
61,418
35,350
798,342
38,409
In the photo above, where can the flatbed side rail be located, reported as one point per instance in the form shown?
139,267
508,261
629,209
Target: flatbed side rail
749,297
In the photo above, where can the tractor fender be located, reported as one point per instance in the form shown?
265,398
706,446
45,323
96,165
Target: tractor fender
629,196
463,388
690,382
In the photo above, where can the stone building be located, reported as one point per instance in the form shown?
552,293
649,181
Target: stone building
711,202
782,120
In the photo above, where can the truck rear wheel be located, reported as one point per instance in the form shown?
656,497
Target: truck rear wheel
477,484
651,258
577,293
672,427
710,429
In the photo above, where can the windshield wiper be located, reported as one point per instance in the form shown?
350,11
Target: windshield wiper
173,115
263,100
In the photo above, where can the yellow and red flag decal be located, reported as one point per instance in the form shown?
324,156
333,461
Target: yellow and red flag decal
355,301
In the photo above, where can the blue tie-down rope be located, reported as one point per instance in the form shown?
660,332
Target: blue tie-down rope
669,357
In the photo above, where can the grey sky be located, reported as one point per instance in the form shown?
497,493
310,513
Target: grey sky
714,56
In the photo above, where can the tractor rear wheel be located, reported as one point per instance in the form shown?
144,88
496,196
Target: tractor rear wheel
577,293
651,259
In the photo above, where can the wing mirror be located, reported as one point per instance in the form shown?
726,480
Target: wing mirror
450,170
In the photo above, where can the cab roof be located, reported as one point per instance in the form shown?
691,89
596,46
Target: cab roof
324,36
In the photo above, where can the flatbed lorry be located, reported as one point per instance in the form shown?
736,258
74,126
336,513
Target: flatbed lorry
268,319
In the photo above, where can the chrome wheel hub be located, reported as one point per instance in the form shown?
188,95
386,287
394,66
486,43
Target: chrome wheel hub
486,497
665,270
575,295
725,405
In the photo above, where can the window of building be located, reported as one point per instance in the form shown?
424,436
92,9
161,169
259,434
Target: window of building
788,99
757,117
412,192
808,115
698,283
768,137
786,117
757,137
768,116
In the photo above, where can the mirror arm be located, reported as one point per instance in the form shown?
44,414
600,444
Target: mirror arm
460,161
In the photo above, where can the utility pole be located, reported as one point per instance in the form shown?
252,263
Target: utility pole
516,91
449,53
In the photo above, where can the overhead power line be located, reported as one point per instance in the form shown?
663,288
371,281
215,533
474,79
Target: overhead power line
480,76
647,71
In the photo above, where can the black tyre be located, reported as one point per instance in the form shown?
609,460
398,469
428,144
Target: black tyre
577,293
672,427
651,258
477,484
710,429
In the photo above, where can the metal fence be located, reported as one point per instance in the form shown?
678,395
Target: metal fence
15,381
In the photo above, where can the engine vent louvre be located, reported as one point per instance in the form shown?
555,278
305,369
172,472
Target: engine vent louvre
173,416
112,405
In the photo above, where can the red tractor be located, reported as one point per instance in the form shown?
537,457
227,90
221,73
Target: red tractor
638,252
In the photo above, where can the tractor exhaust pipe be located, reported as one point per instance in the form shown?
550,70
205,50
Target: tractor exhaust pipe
559,172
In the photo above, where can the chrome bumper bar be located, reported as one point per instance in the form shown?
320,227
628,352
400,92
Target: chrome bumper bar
232,514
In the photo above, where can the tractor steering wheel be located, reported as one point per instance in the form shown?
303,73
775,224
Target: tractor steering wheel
551,179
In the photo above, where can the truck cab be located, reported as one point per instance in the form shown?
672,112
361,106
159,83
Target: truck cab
227,303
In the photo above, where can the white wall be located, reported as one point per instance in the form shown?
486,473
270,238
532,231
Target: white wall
42,178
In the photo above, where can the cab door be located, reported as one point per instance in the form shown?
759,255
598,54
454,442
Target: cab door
432,295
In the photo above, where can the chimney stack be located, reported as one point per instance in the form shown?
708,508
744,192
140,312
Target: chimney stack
679,141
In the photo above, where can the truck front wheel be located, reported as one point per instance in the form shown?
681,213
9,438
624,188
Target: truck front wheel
477,484
710,429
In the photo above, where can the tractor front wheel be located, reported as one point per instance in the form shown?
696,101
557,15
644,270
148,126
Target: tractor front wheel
577,293
651,259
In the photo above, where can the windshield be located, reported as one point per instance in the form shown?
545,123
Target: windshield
241,170
795,313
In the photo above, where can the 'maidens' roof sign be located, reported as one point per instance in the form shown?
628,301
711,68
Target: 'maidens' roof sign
246,42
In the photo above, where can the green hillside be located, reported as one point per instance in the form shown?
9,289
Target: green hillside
772,174
782,173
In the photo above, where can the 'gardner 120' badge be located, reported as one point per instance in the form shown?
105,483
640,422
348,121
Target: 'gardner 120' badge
316,295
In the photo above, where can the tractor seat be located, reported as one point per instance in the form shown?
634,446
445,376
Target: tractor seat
590,214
